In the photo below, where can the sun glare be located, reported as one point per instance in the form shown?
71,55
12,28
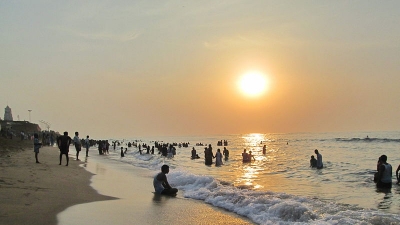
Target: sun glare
253,84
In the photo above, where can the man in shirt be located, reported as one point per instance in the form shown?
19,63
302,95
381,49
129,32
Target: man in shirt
78,145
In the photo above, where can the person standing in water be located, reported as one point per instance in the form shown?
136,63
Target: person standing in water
384,179
160,183
245,156
313,162
87,145
218,158
320,165
226,153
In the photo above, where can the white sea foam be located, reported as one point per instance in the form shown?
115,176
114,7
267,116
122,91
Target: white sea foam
273,208
286,193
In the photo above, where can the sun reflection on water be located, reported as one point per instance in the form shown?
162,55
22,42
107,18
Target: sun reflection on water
248,174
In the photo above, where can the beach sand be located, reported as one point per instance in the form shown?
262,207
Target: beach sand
48,193
32,193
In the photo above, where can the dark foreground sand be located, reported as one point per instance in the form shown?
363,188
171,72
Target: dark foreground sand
33,193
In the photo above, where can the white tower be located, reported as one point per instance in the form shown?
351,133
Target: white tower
8,114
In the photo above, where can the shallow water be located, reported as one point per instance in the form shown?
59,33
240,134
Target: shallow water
280,187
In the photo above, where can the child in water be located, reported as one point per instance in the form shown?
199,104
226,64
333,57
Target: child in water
313,162
122,152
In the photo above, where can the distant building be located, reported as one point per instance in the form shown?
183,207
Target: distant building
8,114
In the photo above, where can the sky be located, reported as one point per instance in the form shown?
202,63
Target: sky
124,69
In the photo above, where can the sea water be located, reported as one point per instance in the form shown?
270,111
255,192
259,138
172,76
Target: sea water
280,187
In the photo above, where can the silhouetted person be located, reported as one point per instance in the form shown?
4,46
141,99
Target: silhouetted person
320,165
87,145
193,153
313,162
245,156
160,183
36,146
226,153
208,155
63,143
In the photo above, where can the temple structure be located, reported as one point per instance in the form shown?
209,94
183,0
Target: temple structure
8,114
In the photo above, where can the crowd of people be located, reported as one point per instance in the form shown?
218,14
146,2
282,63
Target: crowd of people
382,178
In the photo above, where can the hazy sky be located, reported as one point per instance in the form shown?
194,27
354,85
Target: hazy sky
120,69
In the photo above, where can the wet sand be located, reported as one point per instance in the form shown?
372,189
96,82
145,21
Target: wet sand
137,203
48,193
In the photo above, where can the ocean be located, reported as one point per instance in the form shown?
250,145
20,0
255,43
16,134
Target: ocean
280,187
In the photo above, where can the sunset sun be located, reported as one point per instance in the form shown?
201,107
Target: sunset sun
253,84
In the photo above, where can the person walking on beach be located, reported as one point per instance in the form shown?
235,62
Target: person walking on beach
319,160
87,145
160,183
78,145
63,143
36,146
384,179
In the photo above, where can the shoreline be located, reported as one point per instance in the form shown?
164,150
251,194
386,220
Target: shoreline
136,202
48,193
35,193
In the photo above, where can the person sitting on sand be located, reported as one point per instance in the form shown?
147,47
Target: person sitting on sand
397,175
36,146
384,179
313,162
160,183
